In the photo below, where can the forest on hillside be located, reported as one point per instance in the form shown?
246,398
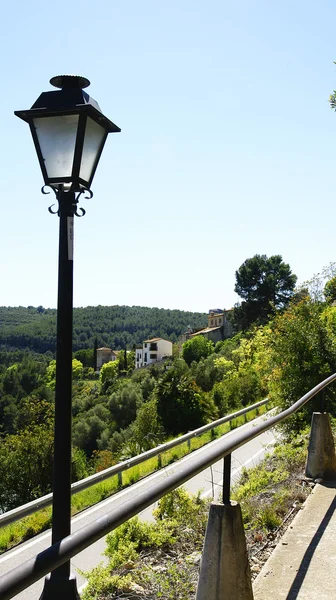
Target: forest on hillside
289,348
125,411
116,327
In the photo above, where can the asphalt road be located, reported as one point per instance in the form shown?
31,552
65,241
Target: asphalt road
209,482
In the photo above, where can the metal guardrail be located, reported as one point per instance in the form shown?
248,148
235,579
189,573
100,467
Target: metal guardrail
31,507
21,577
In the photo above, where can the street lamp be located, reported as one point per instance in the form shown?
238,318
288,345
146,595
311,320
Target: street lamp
69,132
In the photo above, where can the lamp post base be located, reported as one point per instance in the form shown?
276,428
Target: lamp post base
56,588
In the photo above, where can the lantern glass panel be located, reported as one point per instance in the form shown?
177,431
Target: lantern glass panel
94,137
57,140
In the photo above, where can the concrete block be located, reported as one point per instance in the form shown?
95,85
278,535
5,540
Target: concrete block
225,570
321,460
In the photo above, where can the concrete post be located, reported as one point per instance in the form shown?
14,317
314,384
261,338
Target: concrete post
321,460
225,571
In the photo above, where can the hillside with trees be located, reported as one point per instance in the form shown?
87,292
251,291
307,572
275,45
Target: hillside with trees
125,411
113,326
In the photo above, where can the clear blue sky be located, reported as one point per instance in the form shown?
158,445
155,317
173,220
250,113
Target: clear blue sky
226,149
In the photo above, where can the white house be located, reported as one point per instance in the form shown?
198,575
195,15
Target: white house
152,351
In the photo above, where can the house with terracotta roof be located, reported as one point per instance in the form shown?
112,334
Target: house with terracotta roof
105,355
152,351
219,327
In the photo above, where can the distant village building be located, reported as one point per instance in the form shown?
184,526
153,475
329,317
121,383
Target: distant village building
152,351
105,355
219,327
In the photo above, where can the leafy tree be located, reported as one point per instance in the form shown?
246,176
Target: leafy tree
77,369
314,287
330,290
265,284
79,468
86,357
147,430
123,404
26,457
109,374
25,466
196,348
302,352
182,406
245,373
87,431
207,372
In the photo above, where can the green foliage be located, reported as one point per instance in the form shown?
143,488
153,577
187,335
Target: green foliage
147,430
86,357
89,427
196,348
125,543
179,519
124,403
265,284
314,287
116,327
79,467
266,491
25,466
244,374
108,374
330,290
50,374
181,404
302,352
180,507
208,371
77,369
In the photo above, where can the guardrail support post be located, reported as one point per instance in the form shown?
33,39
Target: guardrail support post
225,570
120,481
321,460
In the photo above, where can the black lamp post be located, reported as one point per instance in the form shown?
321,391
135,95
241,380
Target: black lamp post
69,133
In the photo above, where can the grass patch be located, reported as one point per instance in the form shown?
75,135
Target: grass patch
266,492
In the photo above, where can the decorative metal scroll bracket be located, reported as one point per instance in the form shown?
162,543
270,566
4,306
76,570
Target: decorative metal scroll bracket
78,212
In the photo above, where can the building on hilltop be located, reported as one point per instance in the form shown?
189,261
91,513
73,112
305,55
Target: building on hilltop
152,351
105,355
219,327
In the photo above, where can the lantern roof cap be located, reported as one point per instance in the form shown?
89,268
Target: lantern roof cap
69,95
69,99
69,82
